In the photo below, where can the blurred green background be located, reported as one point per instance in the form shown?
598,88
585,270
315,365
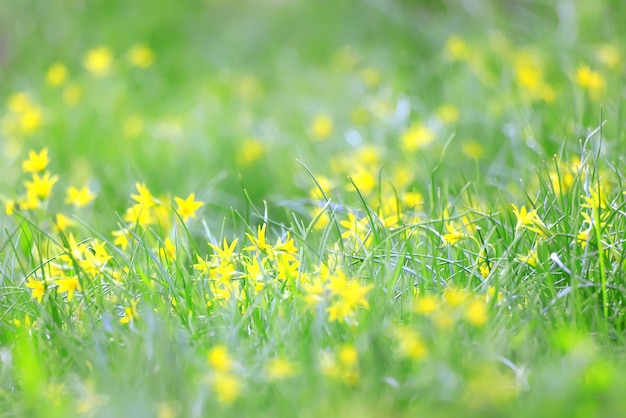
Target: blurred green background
228,74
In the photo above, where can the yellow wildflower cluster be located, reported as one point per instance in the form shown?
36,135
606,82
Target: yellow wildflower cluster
342,295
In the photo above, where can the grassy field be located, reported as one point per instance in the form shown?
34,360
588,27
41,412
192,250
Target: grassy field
312,208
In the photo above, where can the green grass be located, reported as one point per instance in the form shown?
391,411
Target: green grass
407,208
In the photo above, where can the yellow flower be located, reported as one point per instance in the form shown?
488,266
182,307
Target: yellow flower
30,120
9,207
453,236
41,186
36,162
454,297
448,113
321,127
98,61
531,258
227,387
608,55
476,313
590,80
62,222
348,356
130,313
364,179
456,48
122,238
38,288
56,75
79,197
410,344
279,369
144,197
250,151
425,305
69,285
187,207
220,360
416,137
527,218
141,56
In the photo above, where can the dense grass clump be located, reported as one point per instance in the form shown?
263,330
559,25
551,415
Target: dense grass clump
312,208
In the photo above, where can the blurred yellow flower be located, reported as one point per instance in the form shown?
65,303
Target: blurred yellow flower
456,48
476,313
279,369
227,387
322,127
249,152
98,61
56,74
448,113
590,80
41,186
141,56
130,313
219,359
416,137
36,162
79,197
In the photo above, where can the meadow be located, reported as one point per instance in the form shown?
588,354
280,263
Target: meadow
312,208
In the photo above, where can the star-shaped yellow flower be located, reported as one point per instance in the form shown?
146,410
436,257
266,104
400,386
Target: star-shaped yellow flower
187,207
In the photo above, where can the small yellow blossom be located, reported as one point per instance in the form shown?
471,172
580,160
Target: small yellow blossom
56,75
476,313
187,208
36,162
279,369
219,359
38,288
41,186
321,127
98,61
141,56
590,80
417,137
410,344
30,120
79,197
9,207
456,48
531,258
130,313
62,222
448,113
425,305
249,152
227,387
69,285
122,238
454,297
454,235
